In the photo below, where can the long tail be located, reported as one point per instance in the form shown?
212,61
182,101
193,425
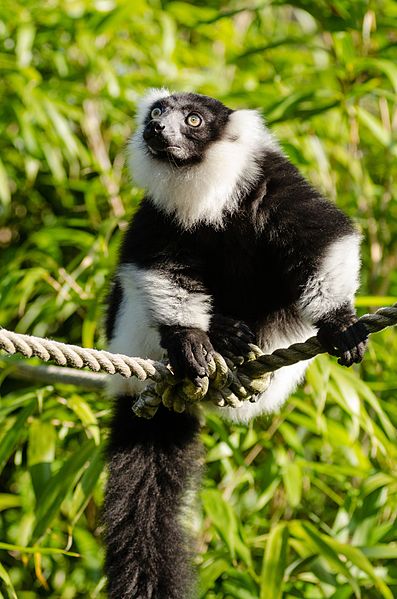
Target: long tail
152,463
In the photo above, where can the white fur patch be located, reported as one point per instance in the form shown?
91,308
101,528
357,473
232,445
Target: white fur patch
166,302
149,299
336,280
204,192
134,335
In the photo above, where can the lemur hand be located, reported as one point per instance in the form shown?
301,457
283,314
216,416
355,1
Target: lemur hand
346,340
189,351
228,334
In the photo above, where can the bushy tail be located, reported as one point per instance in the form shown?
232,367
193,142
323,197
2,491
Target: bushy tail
151,465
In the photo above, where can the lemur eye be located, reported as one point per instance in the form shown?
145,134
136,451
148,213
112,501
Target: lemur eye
194,120
156,112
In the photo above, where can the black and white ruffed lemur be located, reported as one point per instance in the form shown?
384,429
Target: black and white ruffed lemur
229,232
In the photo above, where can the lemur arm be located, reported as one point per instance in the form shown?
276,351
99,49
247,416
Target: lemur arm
327,300
158,273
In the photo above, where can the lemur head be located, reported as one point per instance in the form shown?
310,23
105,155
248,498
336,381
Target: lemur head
178,128
195,156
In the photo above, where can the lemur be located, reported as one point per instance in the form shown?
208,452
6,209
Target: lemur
229,237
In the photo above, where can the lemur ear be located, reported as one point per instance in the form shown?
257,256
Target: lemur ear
145,102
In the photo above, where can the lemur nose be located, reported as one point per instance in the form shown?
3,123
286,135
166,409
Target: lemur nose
158,127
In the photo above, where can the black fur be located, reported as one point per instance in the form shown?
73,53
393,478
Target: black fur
151,462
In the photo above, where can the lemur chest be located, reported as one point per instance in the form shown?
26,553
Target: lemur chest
242,272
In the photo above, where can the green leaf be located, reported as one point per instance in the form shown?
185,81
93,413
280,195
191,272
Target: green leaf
16,434
86,415
25,39
59,486
86,486
357,557
321,546
274,562
8,500
42,438
225,521
292,478
4,576
5,192
209,573
41,453
375,126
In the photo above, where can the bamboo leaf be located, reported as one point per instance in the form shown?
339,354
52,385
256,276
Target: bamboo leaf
86,485
4,576
58,487
16,434
225,521
5,192
274,562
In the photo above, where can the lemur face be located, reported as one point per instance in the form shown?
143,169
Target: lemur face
178,128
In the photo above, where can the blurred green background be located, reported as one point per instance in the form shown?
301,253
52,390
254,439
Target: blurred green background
300,506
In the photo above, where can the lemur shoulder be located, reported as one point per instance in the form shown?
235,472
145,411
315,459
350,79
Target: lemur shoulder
229,232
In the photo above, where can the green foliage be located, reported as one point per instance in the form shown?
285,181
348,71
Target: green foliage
303,505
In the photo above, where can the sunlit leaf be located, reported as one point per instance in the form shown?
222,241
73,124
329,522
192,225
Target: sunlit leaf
274,562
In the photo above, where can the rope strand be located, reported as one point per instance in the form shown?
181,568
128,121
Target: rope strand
233,379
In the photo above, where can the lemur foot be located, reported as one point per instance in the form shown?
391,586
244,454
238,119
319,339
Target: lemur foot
228,334
189,351
348,342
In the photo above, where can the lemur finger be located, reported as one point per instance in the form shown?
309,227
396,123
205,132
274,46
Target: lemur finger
361,338
207,346
234,336
346,359
350,342
354,334
195,370
361,349
209,352
201,358
343,349
184,363
354,337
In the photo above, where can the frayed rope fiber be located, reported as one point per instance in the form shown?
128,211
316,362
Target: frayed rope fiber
233,378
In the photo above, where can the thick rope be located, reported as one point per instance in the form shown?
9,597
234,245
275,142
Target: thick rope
233,378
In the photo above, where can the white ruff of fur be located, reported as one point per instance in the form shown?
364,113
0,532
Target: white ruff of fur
206,191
